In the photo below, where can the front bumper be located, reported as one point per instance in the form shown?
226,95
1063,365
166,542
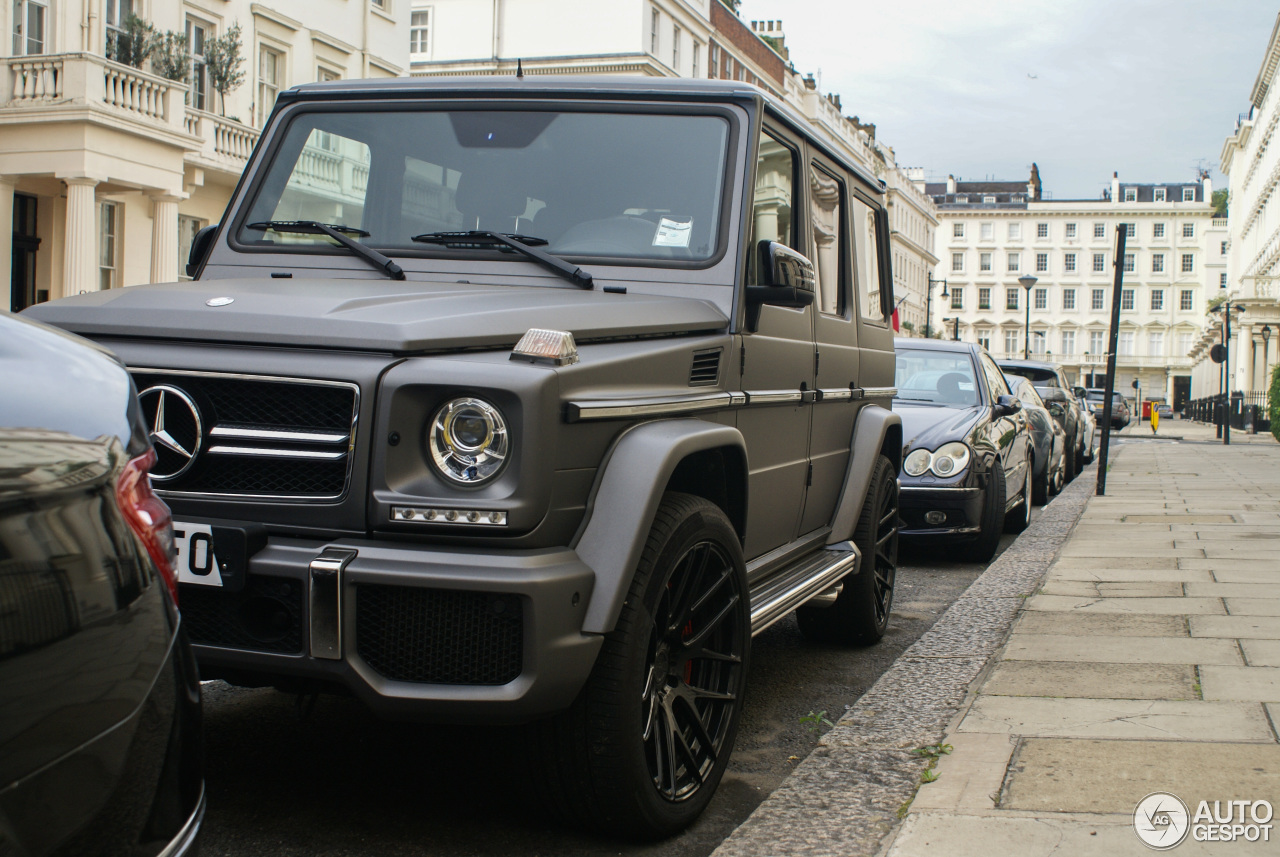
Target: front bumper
416,632
961,505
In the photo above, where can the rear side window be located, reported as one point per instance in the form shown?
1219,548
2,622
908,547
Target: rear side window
869,274
995,380
830,235
1038,377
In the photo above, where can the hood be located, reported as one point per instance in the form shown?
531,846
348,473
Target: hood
374,315
930,427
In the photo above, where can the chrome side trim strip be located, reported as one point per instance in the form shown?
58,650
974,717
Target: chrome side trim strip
599,409
795,586
773,397
928,489
259,452
879,392
840,394
326,572
275,434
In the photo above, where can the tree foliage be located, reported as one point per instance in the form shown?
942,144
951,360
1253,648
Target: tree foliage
1220,203
1274,405
134,43
223,62
171,56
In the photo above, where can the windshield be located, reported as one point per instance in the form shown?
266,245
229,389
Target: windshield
938,377
633,185
1039,377
1101,396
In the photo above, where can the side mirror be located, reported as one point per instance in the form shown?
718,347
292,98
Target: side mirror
201,244
1058,409
1006,406
787,279
1079,392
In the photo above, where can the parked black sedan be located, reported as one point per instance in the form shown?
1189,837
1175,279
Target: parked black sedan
100,735
1048,440
1050,381
966,448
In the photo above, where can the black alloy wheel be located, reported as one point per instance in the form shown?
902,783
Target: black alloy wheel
642,749
860,614
1019,517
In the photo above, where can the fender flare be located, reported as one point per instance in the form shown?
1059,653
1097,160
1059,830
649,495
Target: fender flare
873,427
625,500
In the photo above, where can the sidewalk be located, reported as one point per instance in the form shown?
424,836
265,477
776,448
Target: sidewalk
1147,661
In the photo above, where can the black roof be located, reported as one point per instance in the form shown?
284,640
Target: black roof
911,343
1028,364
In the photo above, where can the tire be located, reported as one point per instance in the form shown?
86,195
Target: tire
860,614
1019,517
1069,467
1041,486
992,524
643,747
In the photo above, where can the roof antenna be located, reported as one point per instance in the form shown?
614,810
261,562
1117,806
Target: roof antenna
519,69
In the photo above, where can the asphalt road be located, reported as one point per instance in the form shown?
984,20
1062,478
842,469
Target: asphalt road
332,781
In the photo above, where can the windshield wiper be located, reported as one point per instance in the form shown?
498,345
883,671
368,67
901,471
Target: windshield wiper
477,239
336,232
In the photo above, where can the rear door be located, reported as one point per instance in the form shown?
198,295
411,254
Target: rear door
1007,430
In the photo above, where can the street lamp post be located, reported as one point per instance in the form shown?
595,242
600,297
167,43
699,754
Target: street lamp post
1027,281
956,328
1226,308
928,303
1266,341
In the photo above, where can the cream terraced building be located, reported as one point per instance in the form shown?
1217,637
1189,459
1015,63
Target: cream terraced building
993,233
107,171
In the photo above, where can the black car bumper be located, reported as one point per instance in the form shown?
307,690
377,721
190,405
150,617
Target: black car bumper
416,632
961,508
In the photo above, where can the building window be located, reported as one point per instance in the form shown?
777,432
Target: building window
1157,230
957,298
323,75
1068,342
381,4
676,33
1099,230
30,23
1188,230
1125,346
1186,300
116,12
1128,263
1224,248
1098,300
1188,263
109,245
1042,262
984,261
1099,263
1222,280
697,51
1184,344
1012,340
1157,300
187,229
957,261
1015,261
1160,194
653,32
1039,341
988,231
1015,231
1098,342
420,34
1068,298
728,66
198,33
1188,194
989,199
1042,230
1042,298
1130,230
984,298
1011,298
1155,344
957,230
1071,230
1126,299
962,199
270,68
1069,263
984,338
1131,194
1157,263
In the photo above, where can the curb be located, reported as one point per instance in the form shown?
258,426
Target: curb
845,797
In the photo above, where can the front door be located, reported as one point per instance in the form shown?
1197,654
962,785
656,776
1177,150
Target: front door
22,282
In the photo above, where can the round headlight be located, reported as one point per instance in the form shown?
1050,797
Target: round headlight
468,440
950,458
917,462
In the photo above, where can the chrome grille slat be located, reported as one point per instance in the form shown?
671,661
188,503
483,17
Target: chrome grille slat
321,455
239,432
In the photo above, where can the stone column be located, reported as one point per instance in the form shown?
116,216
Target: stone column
80,241
6,237
164,238
1248,355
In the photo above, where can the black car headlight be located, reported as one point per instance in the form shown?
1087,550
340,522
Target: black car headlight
468,440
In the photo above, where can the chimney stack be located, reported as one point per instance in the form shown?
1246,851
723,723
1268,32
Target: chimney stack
951,184
1115,187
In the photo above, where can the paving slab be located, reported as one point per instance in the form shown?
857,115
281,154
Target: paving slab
1159,606
1122,650
950,834
1119,718
1065,775
1253,606
1236,627
971,776
1131,562
1132,575
1113,589
1217,564
1255,683
1093,624
1251,591
1231,574
1261,653
1092,680
1179,518
1122,548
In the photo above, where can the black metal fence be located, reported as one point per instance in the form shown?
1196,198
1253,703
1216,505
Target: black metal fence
1245,411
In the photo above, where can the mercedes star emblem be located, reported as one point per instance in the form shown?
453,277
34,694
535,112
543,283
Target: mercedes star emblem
219,301
176,432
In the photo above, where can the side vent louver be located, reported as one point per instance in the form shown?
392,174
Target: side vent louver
706,368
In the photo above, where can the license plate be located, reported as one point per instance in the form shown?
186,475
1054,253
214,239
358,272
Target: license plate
197,561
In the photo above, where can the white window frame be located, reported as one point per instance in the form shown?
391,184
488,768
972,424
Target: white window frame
199,93
1098,300
1068,299
188,226
1130,194
1157,230
1098,342
1131,230
1069,263
984,337
696,56
1013,262
109,234
1155,343
21,10
1130,263
1011,338
1011,298
1042,230
1099,230
1157,263
1188,263
1188,230
987,231
957,298
1042,263
676,33
1222,280
1124,344
1039,341
1157,300
1015,231
1188,194
957,262
420,48
1071,230
265,88
957,230
654,21
1128,300
984,297
1041,298
989,199
1068,342
1186,300
1161,195
984,262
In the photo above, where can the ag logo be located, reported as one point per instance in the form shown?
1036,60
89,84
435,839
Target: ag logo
1161,821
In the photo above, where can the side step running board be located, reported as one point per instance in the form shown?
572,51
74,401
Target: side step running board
796,584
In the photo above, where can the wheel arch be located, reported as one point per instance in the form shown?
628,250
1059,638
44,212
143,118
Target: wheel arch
877,431
648,460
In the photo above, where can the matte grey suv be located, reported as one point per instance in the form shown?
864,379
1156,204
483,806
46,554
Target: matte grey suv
529,401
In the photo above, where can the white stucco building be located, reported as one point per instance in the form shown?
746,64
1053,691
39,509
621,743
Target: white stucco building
1175,260
106,170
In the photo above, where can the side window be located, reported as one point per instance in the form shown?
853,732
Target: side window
869,282
830,235
772,218
995,379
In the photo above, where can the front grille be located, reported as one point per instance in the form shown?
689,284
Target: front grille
440,636
260,436
265,616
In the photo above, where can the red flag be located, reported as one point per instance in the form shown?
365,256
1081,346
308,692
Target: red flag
896,326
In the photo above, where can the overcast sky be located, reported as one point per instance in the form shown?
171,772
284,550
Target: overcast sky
1149,88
